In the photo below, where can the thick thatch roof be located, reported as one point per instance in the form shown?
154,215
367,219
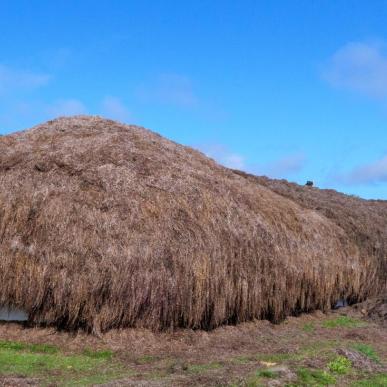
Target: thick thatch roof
106,225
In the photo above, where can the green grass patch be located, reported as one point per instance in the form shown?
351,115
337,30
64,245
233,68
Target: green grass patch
308,327
34,348
367,350
259,376
313,377
49,365
378,380
340,365
319,349
267,374
316,349
103,354
343,322
200,368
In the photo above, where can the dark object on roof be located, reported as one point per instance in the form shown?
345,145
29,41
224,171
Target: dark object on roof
309,183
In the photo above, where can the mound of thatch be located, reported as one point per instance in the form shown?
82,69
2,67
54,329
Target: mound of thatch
105,225
374,309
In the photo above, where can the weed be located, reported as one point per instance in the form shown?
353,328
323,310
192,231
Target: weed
340,365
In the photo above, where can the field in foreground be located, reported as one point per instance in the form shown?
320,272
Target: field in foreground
340,348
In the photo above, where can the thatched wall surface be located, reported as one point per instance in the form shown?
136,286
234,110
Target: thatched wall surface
106,225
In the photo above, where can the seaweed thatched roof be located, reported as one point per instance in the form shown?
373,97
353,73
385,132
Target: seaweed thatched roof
106,225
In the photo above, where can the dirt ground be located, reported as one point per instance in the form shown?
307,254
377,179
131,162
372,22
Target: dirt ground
302,350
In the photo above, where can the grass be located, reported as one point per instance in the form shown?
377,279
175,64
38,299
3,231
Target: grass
340,365
378,380
146,359
34,348
52,366
48,364
316,349
105,354
367,350
343,322
308,327
242,359
267,374
313,377
200,368
256,379
276,357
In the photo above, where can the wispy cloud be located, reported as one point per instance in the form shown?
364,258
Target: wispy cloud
65,107
280,168
371,173
169,89
283,167
12,79
113,107
223,156
359,67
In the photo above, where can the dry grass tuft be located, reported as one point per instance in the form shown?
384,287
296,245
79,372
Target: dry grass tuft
104,225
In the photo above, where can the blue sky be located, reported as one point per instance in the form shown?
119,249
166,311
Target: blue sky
293,89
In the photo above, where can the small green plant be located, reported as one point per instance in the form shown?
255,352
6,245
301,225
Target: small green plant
267,374
308,327
366,350
340,365
343,322
309,377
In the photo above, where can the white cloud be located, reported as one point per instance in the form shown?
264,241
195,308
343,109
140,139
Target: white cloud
11,80
65,107
233,160
372,173
169,89
280,168
283,167
359,67
223,156
113,108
